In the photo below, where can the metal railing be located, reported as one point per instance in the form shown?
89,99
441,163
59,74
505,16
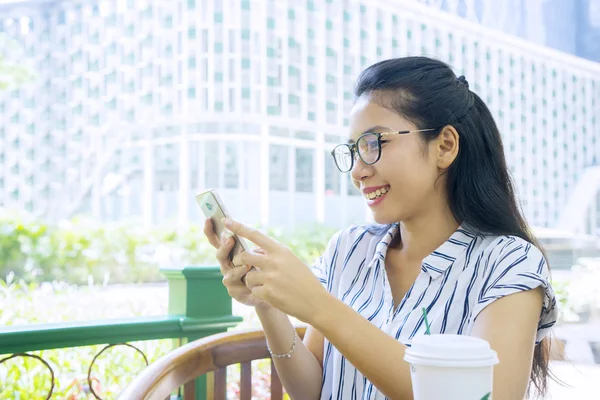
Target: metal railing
199,306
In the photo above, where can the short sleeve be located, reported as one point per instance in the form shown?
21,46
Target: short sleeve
515,267
323,267
320,271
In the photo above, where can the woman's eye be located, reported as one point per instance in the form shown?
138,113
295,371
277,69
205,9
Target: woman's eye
384,141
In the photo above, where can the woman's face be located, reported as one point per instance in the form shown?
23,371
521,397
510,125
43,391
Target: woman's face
407,170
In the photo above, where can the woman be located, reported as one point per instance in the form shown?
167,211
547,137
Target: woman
427,155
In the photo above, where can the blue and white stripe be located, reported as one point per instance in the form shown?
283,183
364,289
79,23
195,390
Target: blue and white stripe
457,281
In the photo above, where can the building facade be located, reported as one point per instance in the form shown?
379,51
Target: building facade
138,105
571,26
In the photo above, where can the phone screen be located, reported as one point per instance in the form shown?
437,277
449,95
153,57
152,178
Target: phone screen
213,208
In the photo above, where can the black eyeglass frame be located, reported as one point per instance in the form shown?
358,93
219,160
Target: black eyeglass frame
354,151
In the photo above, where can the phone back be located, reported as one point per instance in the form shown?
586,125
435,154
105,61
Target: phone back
213,208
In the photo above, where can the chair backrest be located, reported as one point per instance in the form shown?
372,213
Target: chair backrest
210,355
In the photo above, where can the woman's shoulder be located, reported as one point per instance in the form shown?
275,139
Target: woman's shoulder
511,264
505,245
510,252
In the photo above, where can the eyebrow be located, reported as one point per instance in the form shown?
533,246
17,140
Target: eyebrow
372,129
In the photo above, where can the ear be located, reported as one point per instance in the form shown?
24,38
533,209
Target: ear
447,146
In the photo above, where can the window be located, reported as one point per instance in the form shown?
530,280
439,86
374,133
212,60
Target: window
232,99
274,103
332,175
278,167
304,170
211,163
331,112
231,165
279,131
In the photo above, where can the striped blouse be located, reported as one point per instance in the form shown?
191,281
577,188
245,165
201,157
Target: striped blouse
457,281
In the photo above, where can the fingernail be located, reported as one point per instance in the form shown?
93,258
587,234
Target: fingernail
226,222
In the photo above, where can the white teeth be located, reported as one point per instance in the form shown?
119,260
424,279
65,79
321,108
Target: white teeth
377,193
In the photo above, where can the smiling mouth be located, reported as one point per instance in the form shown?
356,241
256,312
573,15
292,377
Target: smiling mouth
377,193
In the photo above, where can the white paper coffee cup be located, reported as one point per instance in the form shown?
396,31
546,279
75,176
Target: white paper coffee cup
451,367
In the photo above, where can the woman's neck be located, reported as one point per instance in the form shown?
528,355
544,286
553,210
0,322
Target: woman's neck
421,236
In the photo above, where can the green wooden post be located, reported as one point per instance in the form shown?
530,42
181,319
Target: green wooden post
197,293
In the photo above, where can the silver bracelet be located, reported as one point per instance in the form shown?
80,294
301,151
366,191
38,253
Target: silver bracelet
286,355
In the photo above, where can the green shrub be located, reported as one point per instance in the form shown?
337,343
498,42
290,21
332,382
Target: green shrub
81,250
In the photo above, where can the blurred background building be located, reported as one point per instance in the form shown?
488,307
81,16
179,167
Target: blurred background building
571,26
137,105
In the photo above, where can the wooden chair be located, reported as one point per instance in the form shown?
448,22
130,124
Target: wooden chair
210,355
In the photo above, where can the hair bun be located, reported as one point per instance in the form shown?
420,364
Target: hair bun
463,80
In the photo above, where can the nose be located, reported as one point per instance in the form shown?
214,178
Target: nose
361,171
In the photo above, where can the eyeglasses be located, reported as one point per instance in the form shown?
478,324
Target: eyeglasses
367,146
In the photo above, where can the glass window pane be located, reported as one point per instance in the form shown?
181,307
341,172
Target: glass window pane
211,154
278,167
231,165
304,170
332,176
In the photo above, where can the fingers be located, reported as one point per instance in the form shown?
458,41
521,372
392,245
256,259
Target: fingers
252,235
223,250
250,258
209,232
257,250
234,275
254,278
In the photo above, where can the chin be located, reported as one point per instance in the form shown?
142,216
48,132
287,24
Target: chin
383,219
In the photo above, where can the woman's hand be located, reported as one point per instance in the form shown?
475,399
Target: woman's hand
232,275
282,279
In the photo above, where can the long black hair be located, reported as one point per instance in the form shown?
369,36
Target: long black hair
480,192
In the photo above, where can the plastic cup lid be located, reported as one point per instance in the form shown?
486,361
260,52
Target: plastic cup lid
450,350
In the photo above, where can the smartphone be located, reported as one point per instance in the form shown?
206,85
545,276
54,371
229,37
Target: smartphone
211,205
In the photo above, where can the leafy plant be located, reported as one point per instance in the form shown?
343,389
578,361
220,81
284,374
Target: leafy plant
80,250
580,295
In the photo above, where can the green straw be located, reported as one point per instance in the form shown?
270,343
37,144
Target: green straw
427,332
